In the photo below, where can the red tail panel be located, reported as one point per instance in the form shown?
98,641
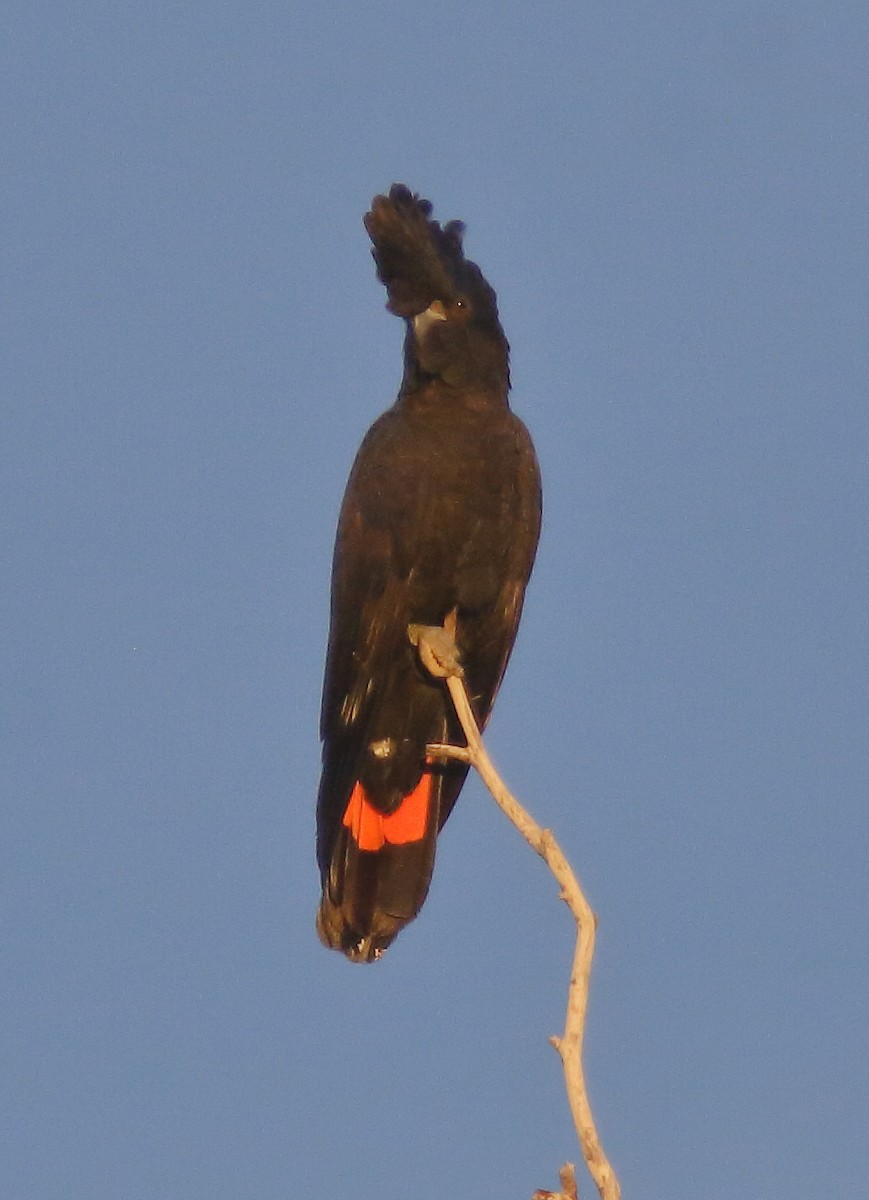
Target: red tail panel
371,829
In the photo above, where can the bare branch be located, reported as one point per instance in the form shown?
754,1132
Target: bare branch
567,1177
445,750
569,1045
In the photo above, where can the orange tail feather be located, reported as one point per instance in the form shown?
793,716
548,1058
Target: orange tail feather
372,829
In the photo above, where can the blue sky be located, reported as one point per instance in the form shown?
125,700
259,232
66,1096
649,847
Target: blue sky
670,200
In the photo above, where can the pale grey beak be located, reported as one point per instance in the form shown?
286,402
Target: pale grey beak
423,321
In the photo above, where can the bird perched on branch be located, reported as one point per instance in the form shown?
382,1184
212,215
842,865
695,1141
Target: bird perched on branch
438,528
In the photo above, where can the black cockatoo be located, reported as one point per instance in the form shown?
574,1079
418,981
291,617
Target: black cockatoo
439,526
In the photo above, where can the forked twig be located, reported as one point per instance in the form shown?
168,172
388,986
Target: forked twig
569,1045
